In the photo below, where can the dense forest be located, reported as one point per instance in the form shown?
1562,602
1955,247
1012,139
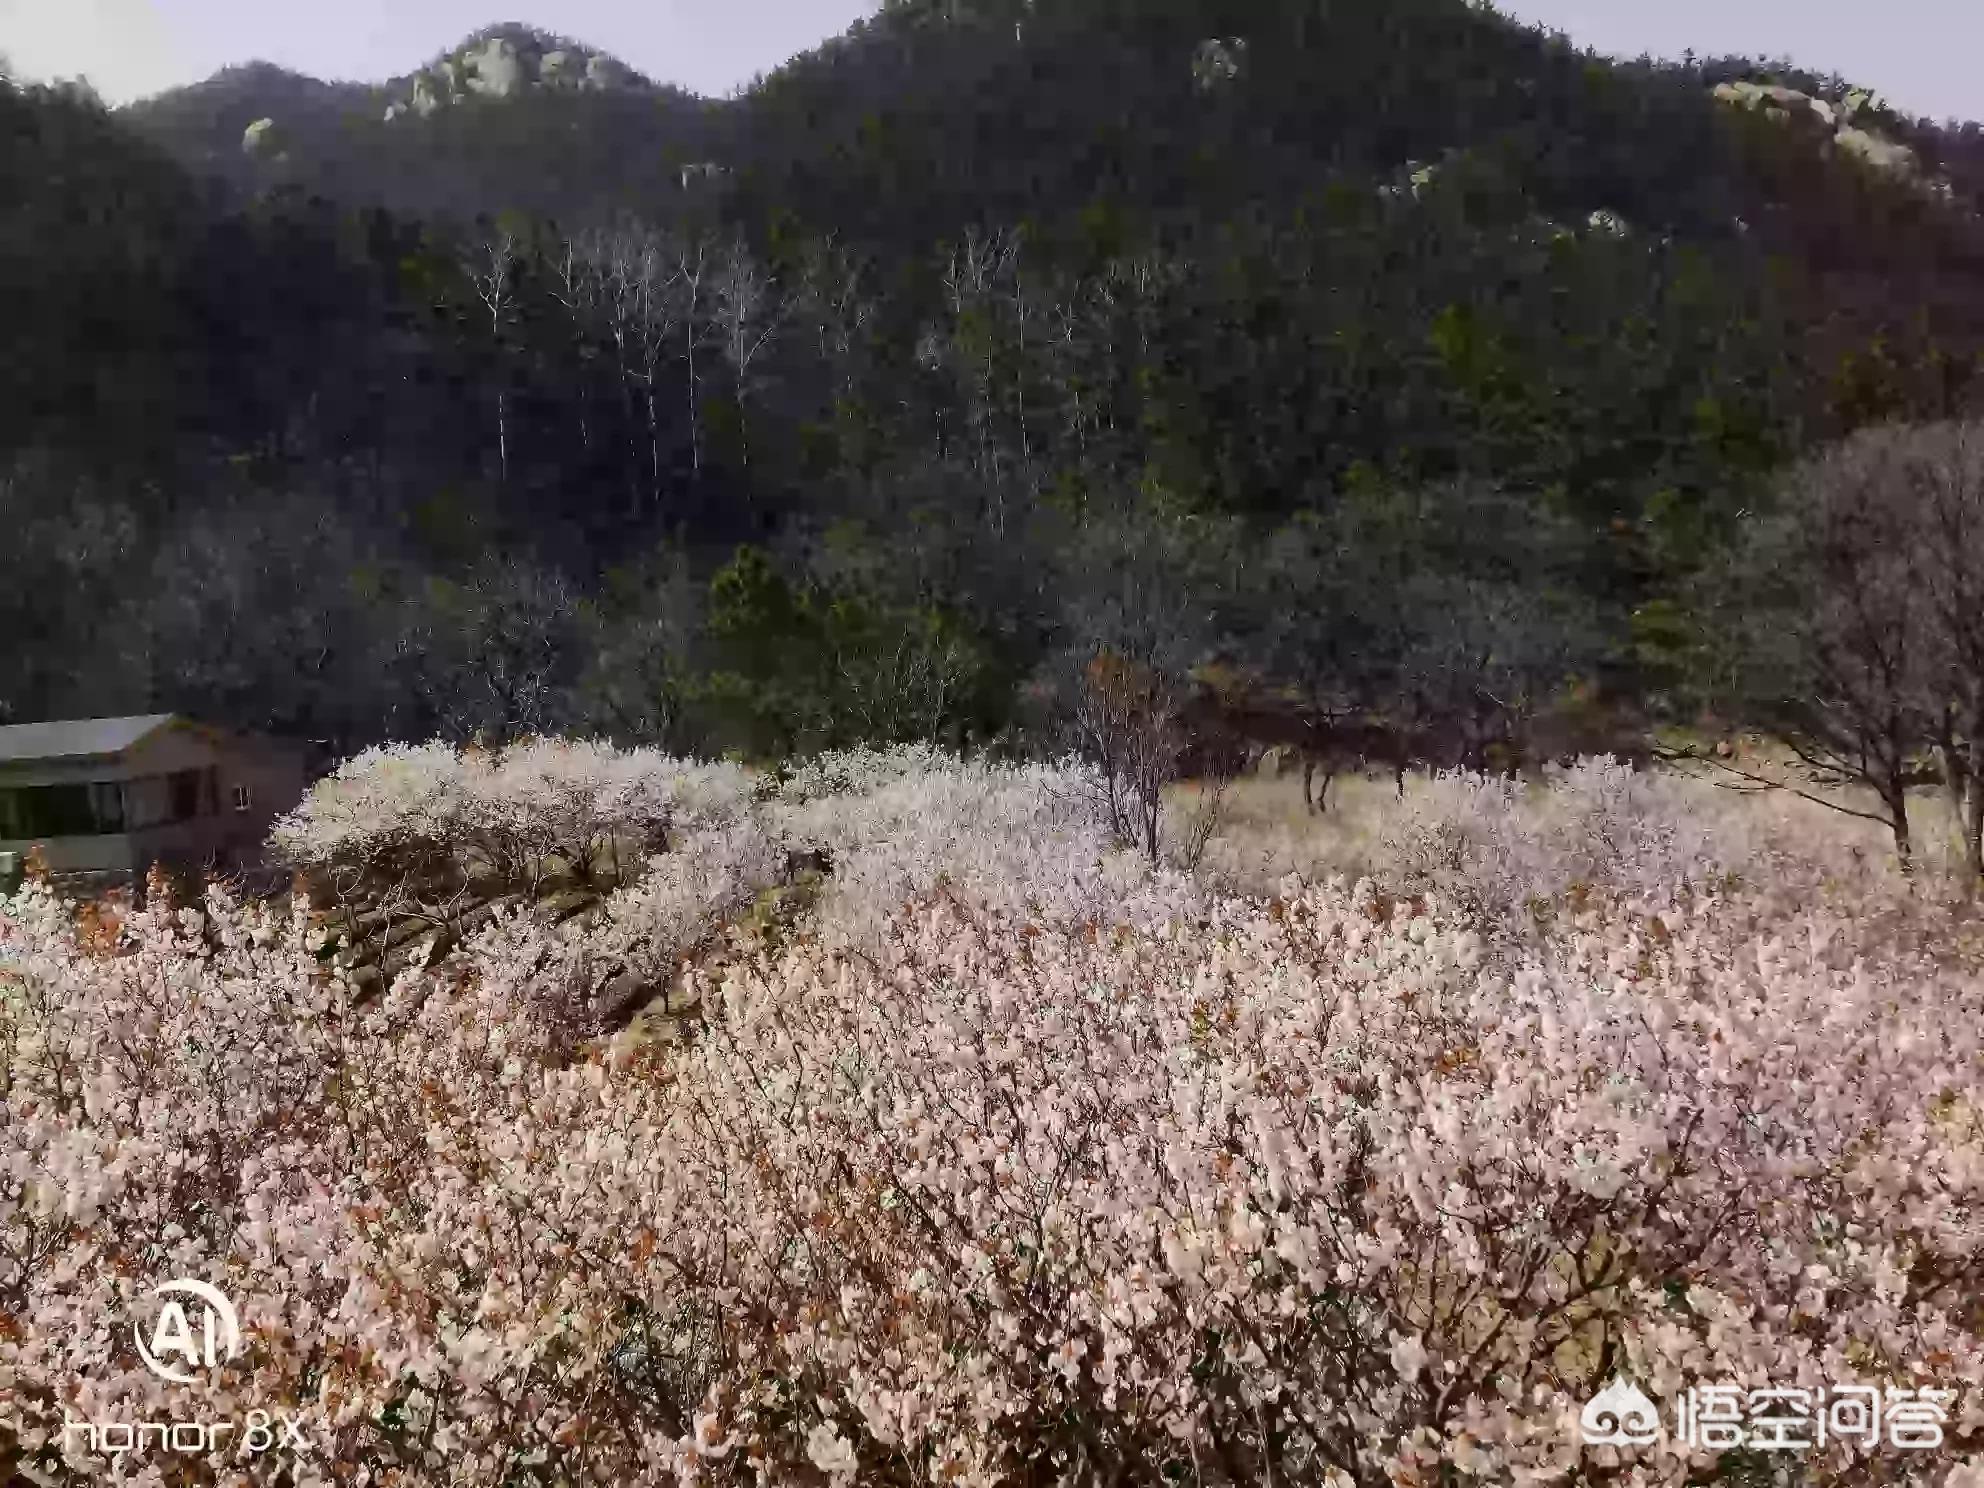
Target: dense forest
1394,354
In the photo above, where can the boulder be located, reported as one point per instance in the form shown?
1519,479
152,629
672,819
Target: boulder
493,69
1882,154
604,73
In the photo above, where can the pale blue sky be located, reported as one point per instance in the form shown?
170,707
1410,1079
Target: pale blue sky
1923,56
1927,56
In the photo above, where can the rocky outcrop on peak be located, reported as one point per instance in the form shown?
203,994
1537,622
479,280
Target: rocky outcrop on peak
1848,120
506,62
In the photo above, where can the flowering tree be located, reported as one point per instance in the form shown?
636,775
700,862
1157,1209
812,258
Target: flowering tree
514,811
1332,1187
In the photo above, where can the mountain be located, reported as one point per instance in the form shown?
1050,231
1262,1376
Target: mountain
984,324
206,126
510,119
1120,112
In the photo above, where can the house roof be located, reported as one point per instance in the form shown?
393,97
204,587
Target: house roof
79,738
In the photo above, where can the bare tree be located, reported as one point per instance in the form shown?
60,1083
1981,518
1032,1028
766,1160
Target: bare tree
1828,636
979,270
602,278
1937,474
749,312
654,276
576,286
636,270
1128,721
492,269
493,654
905,684
831,291
692,272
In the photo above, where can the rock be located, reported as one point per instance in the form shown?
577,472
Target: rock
1788,103
493,70
623,997
1778,102
1882,154
1218,60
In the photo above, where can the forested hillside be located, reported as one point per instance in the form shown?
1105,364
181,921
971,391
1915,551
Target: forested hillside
1396,353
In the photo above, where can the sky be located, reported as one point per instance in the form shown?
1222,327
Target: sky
133,48
1922,55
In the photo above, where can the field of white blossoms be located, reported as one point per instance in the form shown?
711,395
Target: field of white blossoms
998,1156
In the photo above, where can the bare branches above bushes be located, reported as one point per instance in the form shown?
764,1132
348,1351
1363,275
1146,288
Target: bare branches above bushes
1848,624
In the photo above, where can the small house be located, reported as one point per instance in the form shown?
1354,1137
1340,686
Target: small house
116,795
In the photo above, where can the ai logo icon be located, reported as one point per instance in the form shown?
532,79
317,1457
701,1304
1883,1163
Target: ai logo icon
1619,1416
177,1351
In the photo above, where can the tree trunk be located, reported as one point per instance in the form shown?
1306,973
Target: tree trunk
502,436
1971,813
695,426
633,452
654,444
1895,796
1973,836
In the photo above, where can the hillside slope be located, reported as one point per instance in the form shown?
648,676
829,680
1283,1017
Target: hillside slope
1268,315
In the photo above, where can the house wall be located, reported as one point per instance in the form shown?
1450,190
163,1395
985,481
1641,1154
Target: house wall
275,775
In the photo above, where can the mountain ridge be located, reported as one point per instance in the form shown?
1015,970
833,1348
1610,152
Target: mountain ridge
869,88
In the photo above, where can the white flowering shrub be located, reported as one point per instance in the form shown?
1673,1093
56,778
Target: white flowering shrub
858,772
513,810
684,898
1310,1189
1507,848
897,824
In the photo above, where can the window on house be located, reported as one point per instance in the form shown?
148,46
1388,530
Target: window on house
33,812
107,806
243,799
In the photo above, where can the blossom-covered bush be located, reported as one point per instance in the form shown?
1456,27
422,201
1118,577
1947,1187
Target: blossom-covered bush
1504,847
1310,1189
897,823
514,810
